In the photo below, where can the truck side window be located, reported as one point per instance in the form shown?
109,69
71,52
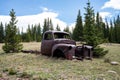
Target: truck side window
48,36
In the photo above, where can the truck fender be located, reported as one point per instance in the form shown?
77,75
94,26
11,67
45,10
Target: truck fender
61,47
55,47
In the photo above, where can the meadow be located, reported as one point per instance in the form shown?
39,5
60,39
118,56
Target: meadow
26,66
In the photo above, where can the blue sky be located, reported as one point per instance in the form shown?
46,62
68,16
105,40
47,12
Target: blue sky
63,12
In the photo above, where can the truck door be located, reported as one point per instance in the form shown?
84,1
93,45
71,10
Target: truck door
47,43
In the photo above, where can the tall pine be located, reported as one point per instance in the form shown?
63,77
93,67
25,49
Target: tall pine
66,29
50,25
28,35
117,29
38,33
107,31
78,30
90,31
45,26
1,33
99,26
111,32
89,26
58,28
12,40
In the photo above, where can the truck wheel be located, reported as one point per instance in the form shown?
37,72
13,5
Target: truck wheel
58,53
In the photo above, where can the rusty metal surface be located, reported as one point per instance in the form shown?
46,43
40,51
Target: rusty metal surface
61,43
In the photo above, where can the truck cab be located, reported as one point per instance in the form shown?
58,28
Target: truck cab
55,43
60,44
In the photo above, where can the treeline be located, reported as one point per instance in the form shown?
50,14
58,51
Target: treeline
109,31
33,32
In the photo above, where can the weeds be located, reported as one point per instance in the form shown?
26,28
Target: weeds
12,71
1,75
24,75
107,60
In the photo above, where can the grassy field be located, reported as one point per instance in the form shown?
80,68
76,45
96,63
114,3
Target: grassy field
21,66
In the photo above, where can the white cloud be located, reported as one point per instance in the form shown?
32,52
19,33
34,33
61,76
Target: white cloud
44,9
105,14
115,4
23,21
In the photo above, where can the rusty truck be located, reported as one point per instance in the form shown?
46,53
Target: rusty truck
60,44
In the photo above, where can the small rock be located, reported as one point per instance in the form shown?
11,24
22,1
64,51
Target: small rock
114,63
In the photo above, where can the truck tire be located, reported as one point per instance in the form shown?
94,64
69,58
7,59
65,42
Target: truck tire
58,53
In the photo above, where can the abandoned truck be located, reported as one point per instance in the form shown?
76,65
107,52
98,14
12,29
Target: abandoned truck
60,44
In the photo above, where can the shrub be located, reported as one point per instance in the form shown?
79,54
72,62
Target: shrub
11,48
25,75
12,38
99,52
12,71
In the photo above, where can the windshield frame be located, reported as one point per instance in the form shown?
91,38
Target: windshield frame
61,35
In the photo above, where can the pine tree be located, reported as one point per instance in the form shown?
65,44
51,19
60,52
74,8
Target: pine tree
102,26
111,32
45,26
98,20
78,30
89,27
90,32
24,36
50,25
38,33
117,29
34,33
34,30
58,28
29,35
12,41
104,30
107,31
1,33
67,29
99,26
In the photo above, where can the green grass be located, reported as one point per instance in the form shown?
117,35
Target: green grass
40,67
114,51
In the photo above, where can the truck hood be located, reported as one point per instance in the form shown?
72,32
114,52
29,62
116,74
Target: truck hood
65,41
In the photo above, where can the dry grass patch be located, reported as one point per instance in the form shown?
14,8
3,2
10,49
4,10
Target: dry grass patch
31,46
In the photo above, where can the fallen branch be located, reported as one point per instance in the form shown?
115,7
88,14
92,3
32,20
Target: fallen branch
31,51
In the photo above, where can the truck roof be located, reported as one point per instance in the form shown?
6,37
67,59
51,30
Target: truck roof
56,32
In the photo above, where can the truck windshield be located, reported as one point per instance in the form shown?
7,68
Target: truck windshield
62,36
